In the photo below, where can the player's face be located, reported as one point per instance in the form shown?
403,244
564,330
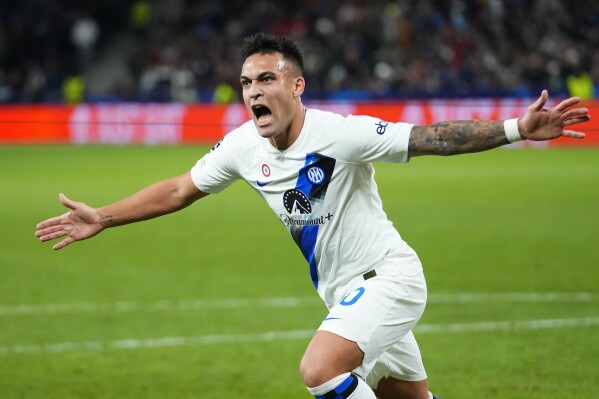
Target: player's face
271,92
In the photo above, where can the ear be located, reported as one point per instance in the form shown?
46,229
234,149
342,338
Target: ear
299,84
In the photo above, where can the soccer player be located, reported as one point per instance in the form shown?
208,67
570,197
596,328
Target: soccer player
314,170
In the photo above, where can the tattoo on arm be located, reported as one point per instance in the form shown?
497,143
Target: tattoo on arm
456,137
108,221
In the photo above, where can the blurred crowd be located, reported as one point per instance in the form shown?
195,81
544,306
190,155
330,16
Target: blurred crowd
189,51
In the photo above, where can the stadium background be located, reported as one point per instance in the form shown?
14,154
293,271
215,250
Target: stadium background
188,51
215,301
490,54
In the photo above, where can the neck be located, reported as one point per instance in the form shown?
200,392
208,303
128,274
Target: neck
284,141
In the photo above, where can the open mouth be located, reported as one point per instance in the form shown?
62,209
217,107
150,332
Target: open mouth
262,113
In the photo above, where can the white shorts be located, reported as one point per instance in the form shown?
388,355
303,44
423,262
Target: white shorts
379,314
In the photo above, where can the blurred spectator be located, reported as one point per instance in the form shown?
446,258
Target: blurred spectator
580,84
140,16
84,36
73,90
224,93
34,85
185,51
183,86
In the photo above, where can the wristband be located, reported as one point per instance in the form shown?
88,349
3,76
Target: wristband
510,126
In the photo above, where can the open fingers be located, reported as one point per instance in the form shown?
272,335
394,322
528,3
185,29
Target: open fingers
567,103
53,235
573,134
574,121
64,243
67,202
576,113
40,232
58,219
52,232
541,101
51,222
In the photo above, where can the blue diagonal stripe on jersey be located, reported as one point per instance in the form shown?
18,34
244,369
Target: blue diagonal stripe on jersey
303,184
308,244
309,234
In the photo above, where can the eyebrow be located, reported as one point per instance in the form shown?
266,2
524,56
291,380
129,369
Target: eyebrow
261,75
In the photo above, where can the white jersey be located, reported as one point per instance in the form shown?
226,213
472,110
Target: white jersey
322,189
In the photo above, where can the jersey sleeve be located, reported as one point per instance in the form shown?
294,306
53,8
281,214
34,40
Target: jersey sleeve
366,139
216,170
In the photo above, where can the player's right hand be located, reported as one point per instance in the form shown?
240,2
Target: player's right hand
79,223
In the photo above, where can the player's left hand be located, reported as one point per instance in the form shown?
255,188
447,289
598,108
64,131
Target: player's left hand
546,124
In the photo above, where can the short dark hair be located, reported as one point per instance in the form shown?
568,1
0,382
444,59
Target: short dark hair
263,43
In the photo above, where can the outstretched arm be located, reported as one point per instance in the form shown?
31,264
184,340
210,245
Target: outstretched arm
459,137
82,221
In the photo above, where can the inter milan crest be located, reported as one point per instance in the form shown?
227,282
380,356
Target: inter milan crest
316,175
296,202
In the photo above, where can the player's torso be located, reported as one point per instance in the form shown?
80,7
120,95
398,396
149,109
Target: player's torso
326,199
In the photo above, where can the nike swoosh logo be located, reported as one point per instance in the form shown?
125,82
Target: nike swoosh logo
332,318
262,184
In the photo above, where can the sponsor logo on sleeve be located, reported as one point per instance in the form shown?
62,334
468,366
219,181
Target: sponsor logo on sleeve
381,127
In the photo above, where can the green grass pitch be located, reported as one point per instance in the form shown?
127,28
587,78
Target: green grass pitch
216,301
